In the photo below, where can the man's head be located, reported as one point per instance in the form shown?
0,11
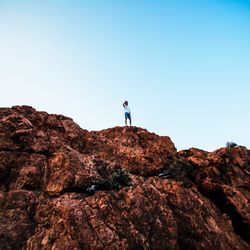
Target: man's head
126,103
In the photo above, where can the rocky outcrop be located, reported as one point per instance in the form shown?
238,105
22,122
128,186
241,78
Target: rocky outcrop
62,187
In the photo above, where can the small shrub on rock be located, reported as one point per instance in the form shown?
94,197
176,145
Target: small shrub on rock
118,179
178,170
231,144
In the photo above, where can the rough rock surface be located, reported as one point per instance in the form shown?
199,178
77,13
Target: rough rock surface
62,187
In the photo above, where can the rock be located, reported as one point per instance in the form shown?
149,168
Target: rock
16,223
138,150
62,187
223,177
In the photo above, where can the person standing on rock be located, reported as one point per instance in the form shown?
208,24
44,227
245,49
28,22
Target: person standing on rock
127,113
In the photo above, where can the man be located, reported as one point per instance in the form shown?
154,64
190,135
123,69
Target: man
127,113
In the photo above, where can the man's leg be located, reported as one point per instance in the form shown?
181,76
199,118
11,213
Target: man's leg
126,121
129,117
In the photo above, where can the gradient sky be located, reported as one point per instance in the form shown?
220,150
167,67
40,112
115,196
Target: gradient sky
183,65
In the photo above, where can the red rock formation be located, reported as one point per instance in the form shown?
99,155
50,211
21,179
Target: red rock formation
62,187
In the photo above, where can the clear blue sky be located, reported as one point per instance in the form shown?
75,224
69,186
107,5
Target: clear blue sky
183,65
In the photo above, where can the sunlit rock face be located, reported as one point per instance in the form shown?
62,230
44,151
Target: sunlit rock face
62,187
